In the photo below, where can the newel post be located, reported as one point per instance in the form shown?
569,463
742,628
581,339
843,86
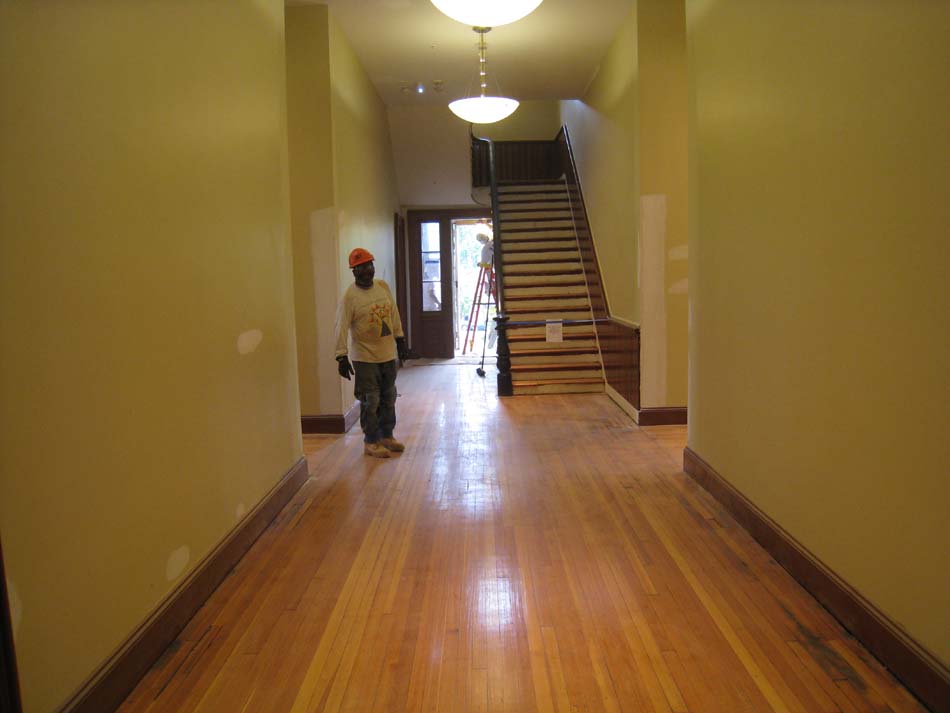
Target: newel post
505,387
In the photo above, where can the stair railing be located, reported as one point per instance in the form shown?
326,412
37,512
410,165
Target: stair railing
505,387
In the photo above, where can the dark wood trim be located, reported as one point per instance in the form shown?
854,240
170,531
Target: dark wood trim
663,416
620,350
432,333
9,681
110,685
918,669
331,422
515,162
401,252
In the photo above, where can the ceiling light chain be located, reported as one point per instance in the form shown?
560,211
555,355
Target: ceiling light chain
482,64
483,109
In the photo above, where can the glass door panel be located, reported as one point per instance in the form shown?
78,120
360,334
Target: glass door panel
431,268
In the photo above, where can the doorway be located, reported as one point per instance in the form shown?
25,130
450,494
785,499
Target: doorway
475,303
434,295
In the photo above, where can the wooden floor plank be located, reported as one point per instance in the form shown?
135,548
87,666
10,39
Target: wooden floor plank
532,554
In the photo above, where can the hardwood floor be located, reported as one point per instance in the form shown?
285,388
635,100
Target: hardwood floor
527,554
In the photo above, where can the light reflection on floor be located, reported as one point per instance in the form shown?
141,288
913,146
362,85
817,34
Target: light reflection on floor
494,602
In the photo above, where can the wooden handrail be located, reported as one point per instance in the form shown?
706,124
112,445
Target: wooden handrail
496,223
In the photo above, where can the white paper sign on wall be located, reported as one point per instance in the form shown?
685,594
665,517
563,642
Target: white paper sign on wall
554,332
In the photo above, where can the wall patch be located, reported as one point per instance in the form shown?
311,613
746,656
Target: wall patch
177,561
249,341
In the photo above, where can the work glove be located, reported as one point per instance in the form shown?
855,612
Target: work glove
344,366
401,349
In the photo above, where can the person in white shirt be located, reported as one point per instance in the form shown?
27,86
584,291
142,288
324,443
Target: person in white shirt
368,316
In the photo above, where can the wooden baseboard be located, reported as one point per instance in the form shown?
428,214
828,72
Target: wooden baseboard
110,685
910,662
666,416
331,423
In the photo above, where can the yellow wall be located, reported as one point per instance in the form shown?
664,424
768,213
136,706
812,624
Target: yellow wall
603,129
629,134
143,209
532,121
819,354
343,189
365,176
310,149
433,156
664,116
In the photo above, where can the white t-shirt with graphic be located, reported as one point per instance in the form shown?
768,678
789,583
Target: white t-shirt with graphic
371,319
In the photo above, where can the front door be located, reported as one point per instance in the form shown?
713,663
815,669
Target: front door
431,282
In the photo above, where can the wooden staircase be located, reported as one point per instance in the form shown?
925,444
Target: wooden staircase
544,281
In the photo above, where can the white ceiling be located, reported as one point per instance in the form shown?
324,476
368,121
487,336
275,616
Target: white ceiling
550,54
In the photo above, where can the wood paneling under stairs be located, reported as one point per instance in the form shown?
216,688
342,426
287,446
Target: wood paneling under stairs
532,554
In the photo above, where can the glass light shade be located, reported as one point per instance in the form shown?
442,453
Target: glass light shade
483,110
486,13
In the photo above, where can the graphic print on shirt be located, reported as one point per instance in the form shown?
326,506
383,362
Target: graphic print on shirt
381,314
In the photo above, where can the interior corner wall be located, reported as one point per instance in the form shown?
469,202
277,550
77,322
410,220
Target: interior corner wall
663,156
146,310
603,128
819,377
313,215
343,190
364,175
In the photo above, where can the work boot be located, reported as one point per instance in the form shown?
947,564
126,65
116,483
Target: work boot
391,444
377,450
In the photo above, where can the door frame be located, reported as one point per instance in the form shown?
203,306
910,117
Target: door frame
422,343
400,251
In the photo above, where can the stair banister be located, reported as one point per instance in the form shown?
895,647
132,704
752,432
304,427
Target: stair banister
505,387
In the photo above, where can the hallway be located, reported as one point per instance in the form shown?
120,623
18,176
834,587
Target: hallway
527,554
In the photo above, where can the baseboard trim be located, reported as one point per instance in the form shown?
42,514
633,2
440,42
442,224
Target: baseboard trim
624,405
907,659
665,416
331,423
111,684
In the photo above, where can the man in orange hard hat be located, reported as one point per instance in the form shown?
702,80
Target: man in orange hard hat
368,314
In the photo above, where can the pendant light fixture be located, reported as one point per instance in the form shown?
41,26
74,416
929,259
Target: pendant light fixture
486,13
483,109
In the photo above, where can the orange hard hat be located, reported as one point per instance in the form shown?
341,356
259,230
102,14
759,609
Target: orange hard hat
359,256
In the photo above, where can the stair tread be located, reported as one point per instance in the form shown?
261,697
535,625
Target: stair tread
524,251
544,382
563,366
547,209
544,296
554,351
575,336
550,229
